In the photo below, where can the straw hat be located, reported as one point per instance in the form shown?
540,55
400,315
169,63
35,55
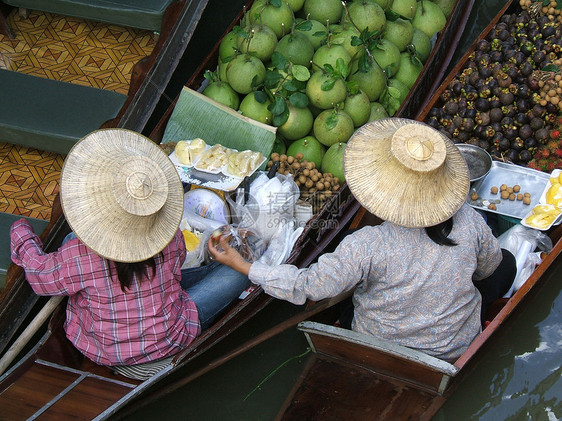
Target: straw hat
406,172
121,195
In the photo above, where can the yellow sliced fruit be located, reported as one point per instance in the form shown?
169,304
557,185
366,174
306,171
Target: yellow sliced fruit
191,240
554,195
548,209
540,220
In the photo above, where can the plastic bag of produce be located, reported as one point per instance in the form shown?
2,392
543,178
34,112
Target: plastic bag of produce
249,244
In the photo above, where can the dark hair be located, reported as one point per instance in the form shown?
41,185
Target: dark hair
127,271
439,233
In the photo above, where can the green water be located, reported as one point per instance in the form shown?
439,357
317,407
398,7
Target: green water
518,378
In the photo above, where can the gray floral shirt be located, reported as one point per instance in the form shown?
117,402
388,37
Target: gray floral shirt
409,289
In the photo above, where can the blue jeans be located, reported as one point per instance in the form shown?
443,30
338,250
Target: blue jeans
212,288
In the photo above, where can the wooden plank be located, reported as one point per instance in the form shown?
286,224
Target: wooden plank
331,390
23,398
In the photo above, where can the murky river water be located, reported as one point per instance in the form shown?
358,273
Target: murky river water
518,378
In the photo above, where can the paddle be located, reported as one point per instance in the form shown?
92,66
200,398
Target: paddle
29,331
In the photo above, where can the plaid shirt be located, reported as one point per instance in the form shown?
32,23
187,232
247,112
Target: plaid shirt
152,320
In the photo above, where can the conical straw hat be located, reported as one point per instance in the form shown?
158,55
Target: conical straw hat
121,195
406,172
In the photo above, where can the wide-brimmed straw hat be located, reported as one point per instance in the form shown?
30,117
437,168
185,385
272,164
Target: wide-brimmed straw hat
121,195
406,172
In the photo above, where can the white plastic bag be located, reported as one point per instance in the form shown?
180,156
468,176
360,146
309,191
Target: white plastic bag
522,242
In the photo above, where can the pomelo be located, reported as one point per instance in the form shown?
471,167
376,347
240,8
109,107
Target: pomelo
252,108
387,56
323,10
315,34
405,8
446,6
298,124
222,92
312,150
228,46
399,32
332,162
280,19
261,41
377,111
295,5
366,15
372,82
333,126
429,18
358,107
328,98
329,54
385,4
422,43
394,95
296,48
245,72
343,36
410,68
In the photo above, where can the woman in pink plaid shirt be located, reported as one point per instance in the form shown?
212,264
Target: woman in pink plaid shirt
121,265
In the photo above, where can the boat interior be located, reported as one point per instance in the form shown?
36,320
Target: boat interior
39,47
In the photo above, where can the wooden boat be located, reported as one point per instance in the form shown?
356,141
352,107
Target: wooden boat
149,77
357,376
73,377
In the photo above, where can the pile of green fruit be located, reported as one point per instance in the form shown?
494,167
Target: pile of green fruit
319,69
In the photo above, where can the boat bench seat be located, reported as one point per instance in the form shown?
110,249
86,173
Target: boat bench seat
142,14
6,221
51,115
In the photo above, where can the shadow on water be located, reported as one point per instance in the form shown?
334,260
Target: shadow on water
518,378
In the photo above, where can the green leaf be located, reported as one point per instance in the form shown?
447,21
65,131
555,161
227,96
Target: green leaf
281,118
545,2
240,32
320,34
255,82
328,84
276,3
272,79
290,86
388,72
393,92
550,68
305,25
342,68
298,99
332,121
391,15
260,96
355,41
208,75
352,87
278,106
300,72
364,64
329,69
558,5
279,61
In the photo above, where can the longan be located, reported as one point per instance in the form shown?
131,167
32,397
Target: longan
494,190
503,187
299,156
504,194
492,206
510,190
527,195
519,196
474,196
526,200
516,188
511,196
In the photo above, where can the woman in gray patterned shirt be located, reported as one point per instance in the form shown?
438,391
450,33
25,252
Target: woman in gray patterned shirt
417,276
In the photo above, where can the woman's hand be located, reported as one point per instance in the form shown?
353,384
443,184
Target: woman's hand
228,256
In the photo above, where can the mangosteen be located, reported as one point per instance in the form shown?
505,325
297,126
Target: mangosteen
470,112
538,111
525,131
512,155
522,19
473,141
496,56
482,104
504,144
547,31
433,122
502,34
527,48
533,83
525,156
496,126
482,118
510,132
536,123
512,72
542,135
483,45
538,57
480,131
520,119
451,107
519,57
531,143
508,53
457,121
435,112
463,136
506,97
496,114
518,144
522,91
508,110
484,144
446,95
495,102
474,78
551,108
522,105
489,132
457,88
503,79
470,92
467,124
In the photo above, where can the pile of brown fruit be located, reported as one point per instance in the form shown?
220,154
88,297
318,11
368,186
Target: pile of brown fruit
551,9
495,102
315,187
